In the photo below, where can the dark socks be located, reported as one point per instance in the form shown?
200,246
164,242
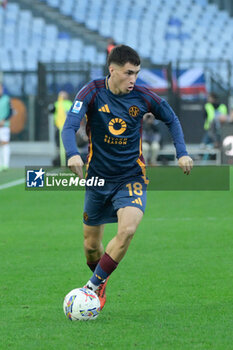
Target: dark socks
104,268
92,264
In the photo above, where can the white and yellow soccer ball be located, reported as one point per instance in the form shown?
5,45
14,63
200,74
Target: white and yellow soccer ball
81,304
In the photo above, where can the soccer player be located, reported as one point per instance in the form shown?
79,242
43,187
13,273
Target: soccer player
5,115
114,107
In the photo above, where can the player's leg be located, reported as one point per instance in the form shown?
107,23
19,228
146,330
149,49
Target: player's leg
127,205
93,246
1,157
128,221
1,152
4,147
94,250
5,154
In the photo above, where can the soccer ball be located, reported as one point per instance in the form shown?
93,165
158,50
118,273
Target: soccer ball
81,304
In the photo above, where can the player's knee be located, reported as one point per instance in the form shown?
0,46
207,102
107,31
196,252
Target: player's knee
91,247
126,233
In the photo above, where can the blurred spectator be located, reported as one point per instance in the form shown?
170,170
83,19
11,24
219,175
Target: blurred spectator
231,116
110,45
3,3
5,114
215,115
151,139
60,109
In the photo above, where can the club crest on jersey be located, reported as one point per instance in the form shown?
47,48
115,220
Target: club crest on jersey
117,126
134,111
77,106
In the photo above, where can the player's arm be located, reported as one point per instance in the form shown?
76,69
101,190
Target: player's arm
71,126
186,164
165,113
75,164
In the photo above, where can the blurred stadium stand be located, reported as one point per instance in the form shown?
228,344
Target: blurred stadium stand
177,30
76,31
69,37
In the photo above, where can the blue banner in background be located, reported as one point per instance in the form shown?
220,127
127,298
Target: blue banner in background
188,81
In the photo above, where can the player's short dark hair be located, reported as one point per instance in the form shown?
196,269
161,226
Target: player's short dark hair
122,54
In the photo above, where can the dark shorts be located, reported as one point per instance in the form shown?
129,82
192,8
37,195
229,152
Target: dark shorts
101,205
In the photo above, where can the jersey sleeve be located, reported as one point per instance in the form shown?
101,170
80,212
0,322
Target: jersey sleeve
76,113
162,111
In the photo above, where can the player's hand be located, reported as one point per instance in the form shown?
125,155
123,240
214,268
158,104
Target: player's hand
186,164
75,164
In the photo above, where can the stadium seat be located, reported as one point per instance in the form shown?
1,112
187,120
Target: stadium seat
46,54
101,58
5,62
202,2
31,84
92,23
31,59
53,3
18,60
50,33
67,7
105,28
14,83
80,11
8,37
89,54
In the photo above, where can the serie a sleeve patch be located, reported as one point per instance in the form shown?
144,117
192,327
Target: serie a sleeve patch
77,107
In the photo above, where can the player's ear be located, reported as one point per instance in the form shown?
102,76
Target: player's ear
111,69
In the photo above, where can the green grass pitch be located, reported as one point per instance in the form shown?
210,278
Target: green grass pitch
173,290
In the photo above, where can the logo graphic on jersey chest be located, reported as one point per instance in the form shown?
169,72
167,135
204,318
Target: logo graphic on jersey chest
134,111
117,126
104,109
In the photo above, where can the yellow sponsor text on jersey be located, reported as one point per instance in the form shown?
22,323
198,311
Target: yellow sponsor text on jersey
115,140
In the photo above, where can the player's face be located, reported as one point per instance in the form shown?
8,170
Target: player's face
123,78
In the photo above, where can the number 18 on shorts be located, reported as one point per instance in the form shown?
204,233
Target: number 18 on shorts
101,206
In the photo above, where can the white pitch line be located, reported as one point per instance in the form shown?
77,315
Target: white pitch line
12,184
